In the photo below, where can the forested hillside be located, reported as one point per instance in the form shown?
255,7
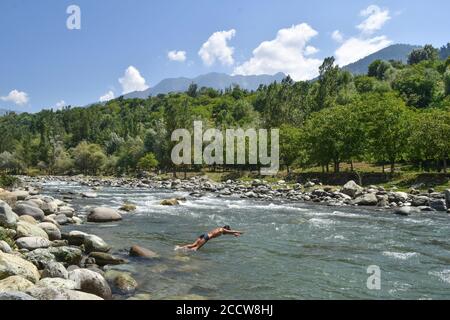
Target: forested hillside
396,113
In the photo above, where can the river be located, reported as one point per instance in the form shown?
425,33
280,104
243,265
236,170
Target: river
289,250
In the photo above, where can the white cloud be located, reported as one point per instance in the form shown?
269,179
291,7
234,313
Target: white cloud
337,36
17,97
375,19
107,96
132,81
365,43
179,56
59,105
217,48
355,49
286,53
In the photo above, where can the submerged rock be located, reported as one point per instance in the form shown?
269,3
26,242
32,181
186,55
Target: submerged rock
121,282
170,202
406,211
128,207
137,251
103,259
93,243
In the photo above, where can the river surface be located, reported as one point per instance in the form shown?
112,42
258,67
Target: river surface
289,250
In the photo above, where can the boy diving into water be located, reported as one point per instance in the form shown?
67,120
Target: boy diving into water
204,238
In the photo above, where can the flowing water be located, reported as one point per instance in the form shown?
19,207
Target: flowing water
289,250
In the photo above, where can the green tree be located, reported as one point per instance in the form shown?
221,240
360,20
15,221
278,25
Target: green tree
148,162
88,158
426,53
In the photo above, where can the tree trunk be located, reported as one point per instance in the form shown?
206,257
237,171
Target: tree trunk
384,169
351,166
445,165
392,168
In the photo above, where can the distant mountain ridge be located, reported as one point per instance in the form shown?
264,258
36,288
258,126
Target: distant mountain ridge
219,81
398,52
5,111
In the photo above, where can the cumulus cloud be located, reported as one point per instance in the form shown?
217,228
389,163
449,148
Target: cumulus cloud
217,48
59,105
17,97
375,19
179,56
337,36
287,53
355,49
107,96
365,43
132,81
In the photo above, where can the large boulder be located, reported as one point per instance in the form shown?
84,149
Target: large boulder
55,270
27,210
103,259
89,195
103,214
438,204
8,218
15,283
93,243
447,197
75,238
398,197
15,296
40,257
406,211
29,219
368,199
33,243
51,294
51,229
137,251
11,265
67,255
121,282
420,201
91,282
57,283
26,229
351,189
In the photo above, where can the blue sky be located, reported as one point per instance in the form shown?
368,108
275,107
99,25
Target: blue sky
43,64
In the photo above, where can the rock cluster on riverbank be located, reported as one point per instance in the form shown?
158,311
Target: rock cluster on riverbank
38,260
351,194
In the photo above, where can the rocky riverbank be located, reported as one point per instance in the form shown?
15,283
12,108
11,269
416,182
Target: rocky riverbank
351,194
40,261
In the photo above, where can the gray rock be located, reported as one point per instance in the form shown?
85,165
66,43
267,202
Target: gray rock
67,255
15,296
419,201
447,197
27,210
4,247
52,230
438,205
11,265
55,270
50,207
91,282
398,197
32,243
94,243
75,238
89,195
368,199
57,283
51,294
406,211
61,219
351,189
8,218
40,258
102,214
